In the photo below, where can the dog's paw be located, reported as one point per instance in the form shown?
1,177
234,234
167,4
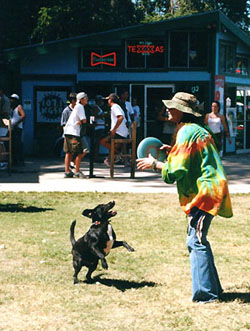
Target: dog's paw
131,249
89,281
104,264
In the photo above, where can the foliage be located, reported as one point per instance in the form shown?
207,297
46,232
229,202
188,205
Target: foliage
237,11
148,289
28,21
76,17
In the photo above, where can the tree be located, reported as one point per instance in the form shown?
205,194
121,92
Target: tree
153,10
27,21
17,20
75,17
236,10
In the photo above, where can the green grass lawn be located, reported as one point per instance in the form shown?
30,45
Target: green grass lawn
149,289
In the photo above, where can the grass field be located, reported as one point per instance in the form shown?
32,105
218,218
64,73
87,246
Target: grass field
149,289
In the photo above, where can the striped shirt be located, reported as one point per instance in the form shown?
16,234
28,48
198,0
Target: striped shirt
194,163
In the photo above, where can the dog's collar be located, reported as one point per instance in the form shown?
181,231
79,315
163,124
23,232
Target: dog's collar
98,222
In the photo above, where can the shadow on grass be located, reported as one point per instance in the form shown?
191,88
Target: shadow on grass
123,285
20,208
232,296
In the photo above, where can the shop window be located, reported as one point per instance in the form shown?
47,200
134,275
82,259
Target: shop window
241,66
145,54
100,58
227,58
179,50
190,51
198,49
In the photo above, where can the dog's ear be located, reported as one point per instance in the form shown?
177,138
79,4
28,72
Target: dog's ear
87,213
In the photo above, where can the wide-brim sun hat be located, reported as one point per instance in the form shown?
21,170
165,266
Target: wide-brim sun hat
185,102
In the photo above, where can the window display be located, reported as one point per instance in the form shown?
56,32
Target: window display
145,54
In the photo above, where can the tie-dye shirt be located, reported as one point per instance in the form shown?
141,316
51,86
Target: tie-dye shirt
194,163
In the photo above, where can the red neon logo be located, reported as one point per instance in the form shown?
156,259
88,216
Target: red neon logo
107,59
148,49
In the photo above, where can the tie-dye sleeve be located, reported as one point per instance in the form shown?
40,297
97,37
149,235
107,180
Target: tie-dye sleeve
178,164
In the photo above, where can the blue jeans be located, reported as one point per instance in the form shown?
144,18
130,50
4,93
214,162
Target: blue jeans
205,280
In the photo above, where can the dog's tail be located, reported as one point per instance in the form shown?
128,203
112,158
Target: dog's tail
72,230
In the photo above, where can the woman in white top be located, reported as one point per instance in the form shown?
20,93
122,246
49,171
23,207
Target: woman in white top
216,121
17,119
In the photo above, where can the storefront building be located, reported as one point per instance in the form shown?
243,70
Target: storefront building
204,54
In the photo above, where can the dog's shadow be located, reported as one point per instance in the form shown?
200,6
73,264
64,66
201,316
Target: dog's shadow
122,285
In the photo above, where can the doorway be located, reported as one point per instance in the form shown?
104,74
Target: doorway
149,98
243,120
153,96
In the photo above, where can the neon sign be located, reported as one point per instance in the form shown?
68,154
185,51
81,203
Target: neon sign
145,49
107,59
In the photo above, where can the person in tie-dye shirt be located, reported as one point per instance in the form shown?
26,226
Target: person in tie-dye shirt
194,164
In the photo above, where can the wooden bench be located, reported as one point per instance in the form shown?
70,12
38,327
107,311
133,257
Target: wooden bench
131,155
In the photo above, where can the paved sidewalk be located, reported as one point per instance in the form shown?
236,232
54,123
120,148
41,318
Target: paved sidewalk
46,175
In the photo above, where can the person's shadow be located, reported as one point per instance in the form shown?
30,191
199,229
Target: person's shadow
232,296
20,208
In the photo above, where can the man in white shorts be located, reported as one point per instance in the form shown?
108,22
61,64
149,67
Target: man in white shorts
72,141
119,128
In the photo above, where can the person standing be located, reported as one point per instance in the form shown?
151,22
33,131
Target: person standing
98,113
68,110
4,112
72,141
17,122
64,118
194,163
127,107
137,118
168,126
216,122
119,128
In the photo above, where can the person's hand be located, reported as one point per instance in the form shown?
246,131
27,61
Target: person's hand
229,140
79,123
166,148
145,163
112,133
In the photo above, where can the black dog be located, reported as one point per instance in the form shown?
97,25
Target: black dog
97,242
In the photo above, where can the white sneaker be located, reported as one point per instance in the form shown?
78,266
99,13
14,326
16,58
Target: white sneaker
117,158
3,166
72,165
106,162
79,175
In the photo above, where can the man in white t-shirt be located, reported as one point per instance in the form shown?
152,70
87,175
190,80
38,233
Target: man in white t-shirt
72,141
119,128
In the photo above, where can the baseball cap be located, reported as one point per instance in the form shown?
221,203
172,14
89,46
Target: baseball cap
81,95
14,96
112,97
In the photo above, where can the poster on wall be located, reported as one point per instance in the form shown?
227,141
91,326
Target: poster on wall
219,91
231,114
49,105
